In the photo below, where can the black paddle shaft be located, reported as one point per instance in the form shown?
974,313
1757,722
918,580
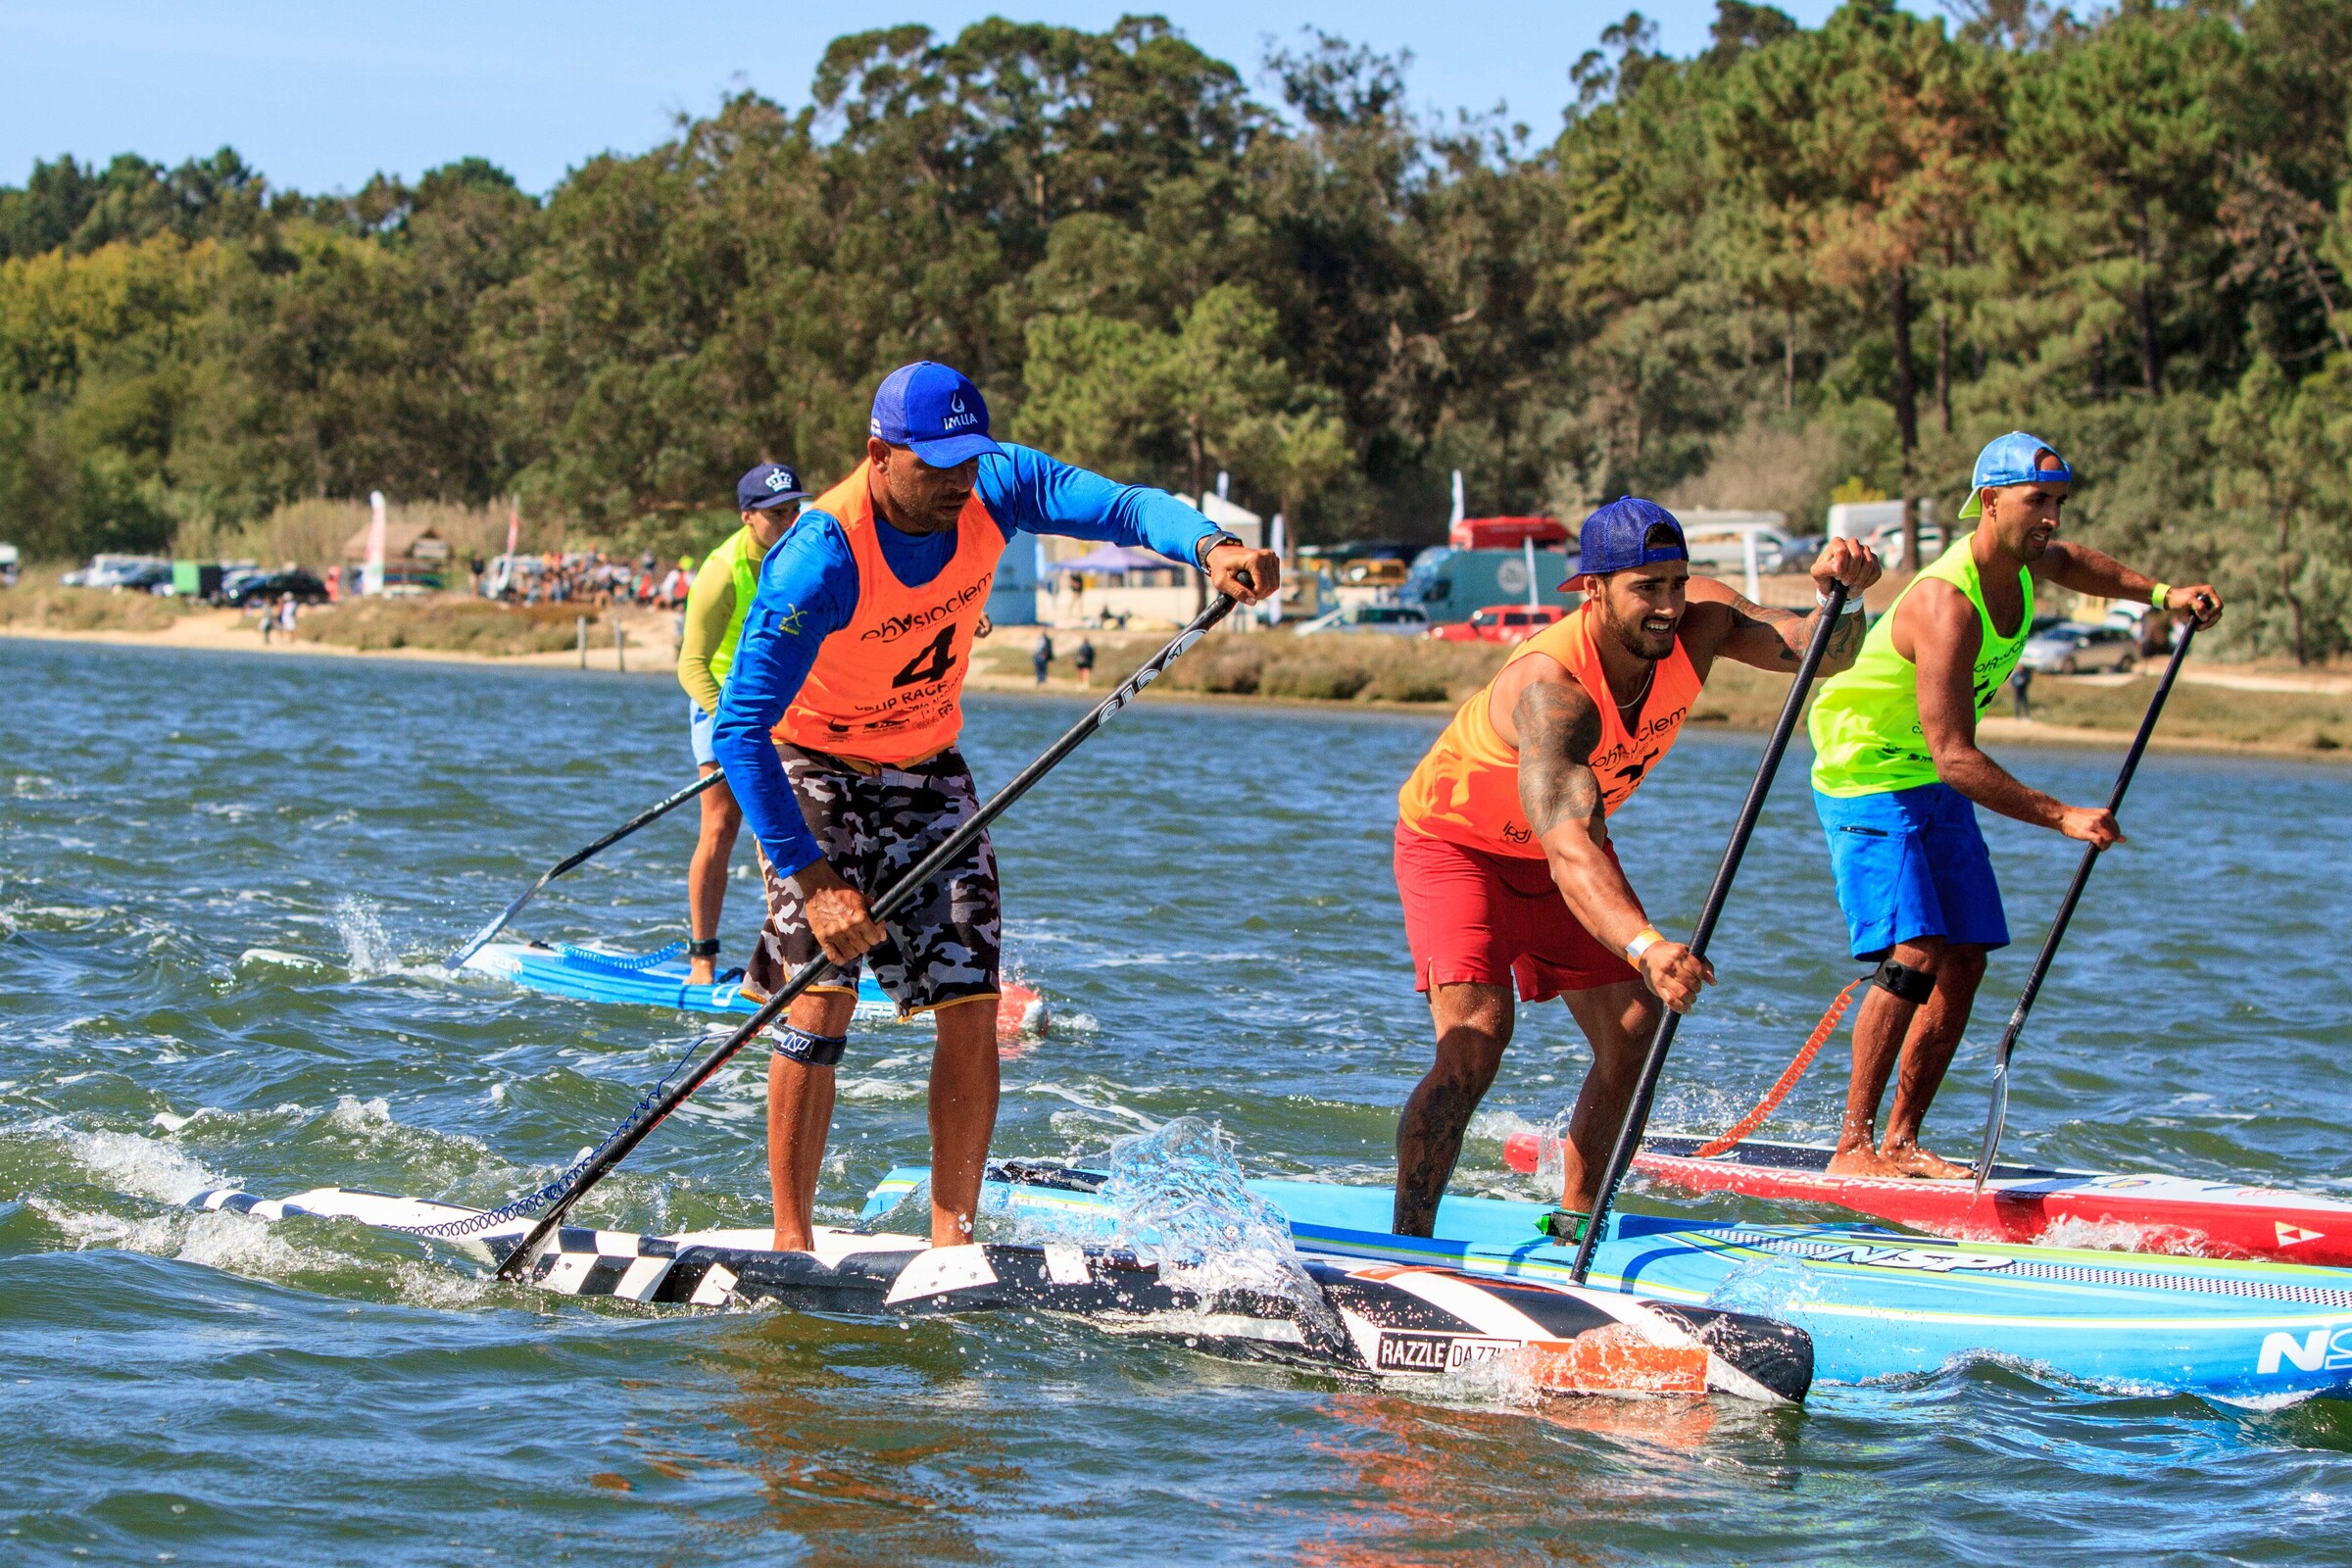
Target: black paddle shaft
580,857
1637,1114
1996,1116
633,1131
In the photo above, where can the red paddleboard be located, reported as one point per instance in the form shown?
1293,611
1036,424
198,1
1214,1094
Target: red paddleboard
2020,1203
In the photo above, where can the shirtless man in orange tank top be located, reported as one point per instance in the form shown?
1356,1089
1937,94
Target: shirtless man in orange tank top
1503,861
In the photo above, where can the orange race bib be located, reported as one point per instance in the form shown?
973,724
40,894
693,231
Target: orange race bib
888,687
1466,790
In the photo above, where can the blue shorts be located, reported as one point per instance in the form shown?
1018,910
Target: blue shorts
1911,863
699,725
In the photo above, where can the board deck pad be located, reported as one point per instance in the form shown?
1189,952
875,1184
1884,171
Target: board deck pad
2020,1203
1375,1320
1876,1303
658,980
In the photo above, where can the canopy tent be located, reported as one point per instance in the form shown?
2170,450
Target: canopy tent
1114,558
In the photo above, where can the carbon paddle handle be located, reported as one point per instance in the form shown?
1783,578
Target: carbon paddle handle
569,863
633,1132
1654,1065
1997,1114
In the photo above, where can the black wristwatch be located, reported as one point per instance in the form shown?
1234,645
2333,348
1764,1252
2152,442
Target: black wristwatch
1211,542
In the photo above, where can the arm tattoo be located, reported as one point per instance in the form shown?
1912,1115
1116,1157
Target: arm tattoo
1558,728
1748,618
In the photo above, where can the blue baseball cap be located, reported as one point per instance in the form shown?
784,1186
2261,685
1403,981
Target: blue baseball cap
2010,459
768,484
1616,538
936,409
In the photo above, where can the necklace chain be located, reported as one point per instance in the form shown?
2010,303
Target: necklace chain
1635,701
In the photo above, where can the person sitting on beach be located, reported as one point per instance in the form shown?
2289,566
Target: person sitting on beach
1503,859
1897,777
710,631
838,731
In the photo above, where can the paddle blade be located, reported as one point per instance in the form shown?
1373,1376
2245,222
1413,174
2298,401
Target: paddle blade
1994,1118
481,939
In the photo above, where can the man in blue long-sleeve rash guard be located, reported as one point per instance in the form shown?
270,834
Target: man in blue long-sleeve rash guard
837,731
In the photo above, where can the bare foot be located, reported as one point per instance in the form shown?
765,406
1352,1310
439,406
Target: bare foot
1863,1161
701,972
1909,1159
793,1241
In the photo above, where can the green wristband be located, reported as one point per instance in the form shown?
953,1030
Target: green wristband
2158,594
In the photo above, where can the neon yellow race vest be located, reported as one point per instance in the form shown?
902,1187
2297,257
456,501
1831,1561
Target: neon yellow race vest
1865,727
740,558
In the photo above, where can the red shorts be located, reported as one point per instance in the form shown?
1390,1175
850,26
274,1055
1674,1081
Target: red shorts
1486,919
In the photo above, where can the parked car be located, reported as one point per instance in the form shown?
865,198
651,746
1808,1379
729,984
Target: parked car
120,571
2073,649
267,587
1792,554
1886,544
1394,620
1499,624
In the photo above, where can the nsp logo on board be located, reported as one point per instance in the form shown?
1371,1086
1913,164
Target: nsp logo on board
2320,1351
1924,1260
1405,1351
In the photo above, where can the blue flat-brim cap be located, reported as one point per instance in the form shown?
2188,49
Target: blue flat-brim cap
935,410
1616,538
2010,459
765,485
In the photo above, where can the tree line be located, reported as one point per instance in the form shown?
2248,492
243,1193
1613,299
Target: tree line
1804,263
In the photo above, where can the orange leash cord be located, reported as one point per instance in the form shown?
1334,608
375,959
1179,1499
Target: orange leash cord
1796,1071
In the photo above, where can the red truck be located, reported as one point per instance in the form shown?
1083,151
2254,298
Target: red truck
1499,624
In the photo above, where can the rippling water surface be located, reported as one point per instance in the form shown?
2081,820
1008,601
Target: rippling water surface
223,885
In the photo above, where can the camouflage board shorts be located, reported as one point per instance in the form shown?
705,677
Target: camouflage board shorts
943,945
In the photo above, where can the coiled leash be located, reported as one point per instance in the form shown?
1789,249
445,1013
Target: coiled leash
1788,1077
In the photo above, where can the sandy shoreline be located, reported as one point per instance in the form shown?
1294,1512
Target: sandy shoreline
650,652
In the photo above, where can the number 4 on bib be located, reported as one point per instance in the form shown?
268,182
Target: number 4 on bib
931,663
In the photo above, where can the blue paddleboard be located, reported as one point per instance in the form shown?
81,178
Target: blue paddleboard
1876,1303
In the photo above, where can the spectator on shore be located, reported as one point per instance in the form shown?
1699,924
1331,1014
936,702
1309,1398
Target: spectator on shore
1084,661
287,609
1042,655
2021,688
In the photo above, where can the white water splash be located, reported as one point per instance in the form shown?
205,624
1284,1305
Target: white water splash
143,1167
1181,1204
367,945
276,957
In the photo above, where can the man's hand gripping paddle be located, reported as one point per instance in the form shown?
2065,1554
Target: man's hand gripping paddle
568,863
600,1161
1637,1114
1997,1114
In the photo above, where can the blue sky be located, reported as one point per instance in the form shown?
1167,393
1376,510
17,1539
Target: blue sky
319,96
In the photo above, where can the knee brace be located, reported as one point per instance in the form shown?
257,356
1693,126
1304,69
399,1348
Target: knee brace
1913,986
803,1045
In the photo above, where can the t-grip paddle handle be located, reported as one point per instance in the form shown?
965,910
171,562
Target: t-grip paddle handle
633,1131
1637,1114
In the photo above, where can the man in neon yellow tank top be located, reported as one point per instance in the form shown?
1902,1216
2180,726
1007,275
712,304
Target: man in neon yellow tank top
1897,776
721,596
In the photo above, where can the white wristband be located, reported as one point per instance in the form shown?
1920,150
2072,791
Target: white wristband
1853,603
1650,936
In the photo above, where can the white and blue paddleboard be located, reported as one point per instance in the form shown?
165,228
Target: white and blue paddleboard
1356,1319
658,980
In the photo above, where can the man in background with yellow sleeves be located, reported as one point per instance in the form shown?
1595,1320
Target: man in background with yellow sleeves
715,605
